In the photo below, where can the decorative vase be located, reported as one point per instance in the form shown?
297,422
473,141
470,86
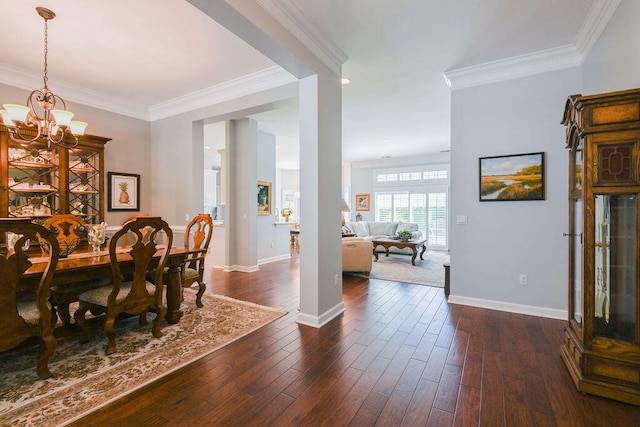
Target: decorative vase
286,219
96,238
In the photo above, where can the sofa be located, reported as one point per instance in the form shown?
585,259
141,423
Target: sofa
375,230
357,255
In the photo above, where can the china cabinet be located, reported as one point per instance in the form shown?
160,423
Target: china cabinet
37,181
601,345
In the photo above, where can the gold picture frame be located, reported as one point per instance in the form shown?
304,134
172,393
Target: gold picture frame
264,198
363,202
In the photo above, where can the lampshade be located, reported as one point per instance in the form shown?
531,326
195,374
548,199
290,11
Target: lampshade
345,206
77,128
63,117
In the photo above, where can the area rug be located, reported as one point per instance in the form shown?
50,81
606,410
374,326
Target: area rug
85,379
398,268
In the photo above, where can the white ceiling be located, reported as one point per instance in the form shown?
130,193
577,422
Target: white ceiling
143,57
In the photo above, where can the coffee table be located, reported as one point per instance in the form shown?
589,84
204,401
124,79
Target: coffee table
413,244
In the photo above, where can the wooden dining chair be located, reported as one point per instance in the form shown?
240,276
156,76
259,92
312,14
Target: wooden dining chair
26,313
135,296
126,239
197,236
70,230
71,233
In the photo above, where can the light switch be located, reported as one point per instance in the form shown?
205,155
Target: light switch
462,220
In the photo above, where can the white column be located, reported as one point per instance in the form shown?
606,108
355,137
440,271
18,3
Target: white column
242,209
320,201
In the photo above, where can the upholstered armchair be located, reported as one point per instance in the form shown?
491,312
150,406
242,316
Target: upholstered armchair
357,255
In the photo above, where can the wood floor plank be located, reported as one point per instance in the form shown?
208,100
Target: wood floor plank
399,355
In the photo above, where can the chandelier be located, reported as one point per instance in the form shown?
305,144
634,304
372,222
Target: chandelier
51,123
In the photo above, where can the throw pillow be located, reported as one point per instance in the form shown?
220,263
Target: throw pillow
391,228
377,228
360,228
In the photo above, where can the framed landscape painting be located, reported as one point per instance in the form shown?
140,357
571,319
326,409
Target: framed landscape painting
514,177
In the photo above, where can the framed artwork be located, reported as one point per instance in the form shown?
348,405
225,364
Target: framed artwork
362,202
123,191
264,198
514,177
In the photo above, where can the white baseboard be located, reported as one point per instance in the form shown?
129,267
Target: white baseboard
241,268
323,319
510,307
274,259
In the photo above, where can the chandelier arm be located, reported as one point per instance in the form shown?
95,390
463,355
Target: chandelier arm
21,139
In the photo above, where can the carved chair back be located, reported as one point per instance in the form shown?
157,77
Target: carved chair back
26,313
70,230
197,236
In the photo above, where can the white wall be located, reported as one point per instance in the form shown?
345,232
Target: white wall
505,239
614,63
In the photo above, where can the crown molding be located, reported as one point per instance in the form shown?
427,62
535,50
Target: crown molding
289,15
256,82
538,62
28,80
594,24
511,68
268,78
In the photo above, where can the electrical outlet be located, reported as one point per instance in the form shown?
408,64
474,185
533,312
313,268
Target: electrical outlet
272,244
336,280
523,279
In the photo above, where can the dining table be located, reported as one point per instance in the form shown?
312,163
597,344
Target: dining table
87,265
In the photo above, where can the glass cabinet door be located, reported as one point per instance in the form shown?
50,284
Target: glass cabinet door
33,181
615,267
84,184
575,233
576,262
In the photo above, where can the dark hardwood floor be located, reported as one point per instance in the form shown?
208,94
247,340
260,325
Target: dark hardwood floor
399,355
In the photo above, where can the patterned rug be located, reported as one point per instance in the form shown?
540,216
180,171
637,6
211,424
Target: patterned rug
85,379
398,268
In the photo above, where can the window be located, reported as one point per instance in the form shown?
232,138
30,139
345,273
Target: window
401,206
428,210
441,174
410,176
414,193
438,219
387,177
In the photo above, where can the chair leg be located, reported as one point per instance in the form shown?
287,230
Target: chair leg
157,323
202,286
109,330
143,318
47,344
81,321
63,312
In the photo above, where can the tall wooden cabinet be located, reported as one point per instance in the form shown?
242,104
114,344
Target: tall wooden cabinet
37,181
601,347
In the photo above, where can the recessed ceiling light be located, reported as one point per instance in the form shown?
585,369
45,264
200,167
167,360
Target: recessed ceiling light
206,147
345,80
